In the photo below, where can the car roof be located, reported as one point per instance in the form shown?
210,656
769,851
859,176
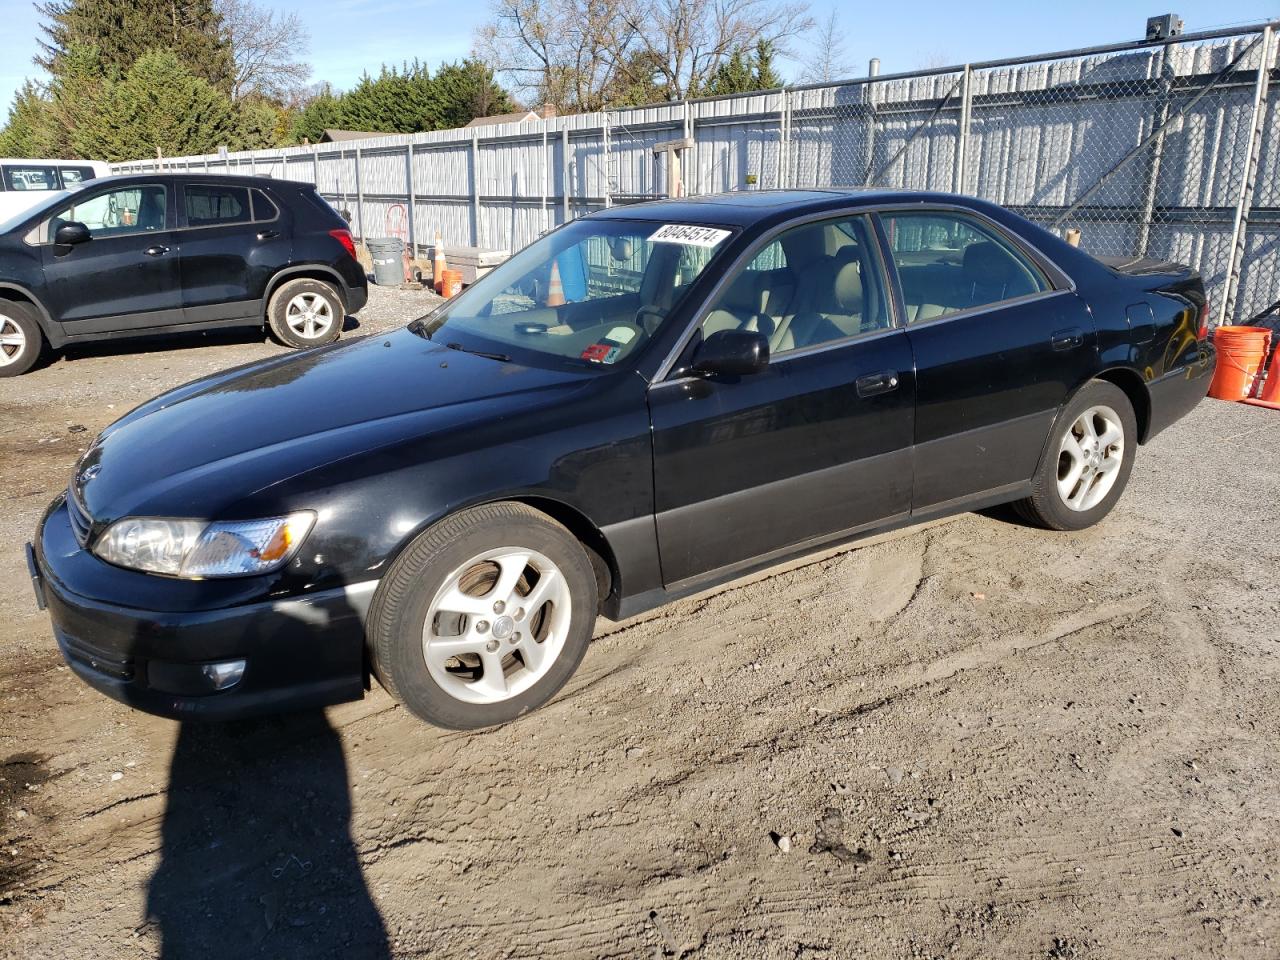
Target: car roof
161,176
751,207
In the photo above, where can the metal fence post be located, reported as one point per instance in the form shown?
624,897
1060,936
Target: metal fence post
413,200
784,138
475,189
360,198
565,172
315,168
545,177
962,131
608,185
1241,225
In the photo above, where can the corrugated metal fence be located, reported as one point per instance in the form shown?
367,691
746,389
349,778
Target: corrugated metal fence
1167,149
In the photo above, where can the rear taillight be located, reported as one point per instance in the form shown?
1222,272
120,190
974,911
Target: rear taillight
1203,330
344,238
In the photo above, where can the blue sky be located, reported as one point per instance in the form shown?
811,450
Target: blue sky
348,36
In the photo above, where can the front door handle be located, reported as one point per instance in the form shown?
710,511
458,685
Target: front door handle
1067,339
268,234
156,251
875,383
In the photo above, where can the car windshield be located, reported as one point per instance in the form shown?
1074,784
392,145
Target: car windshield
48,202
590,294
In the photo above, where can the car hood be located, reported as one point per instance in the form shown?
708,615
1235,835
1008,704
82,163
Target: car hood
198,450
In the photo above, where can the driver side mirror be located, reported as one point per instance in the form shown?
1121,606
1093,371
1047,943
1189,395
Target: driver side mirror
71,233
731,353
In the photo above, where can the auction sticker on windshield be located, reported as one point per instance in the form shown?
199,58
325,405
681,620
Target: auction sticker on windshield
689,234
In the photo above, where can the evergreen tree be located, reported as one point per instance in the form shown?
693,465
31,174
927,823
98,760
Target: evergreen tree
746,72
123,30
158,105
322,112
398,101
464,91
29,130
767,76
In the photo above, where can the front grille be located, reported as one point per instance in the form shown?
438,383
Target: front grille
108,663
81,522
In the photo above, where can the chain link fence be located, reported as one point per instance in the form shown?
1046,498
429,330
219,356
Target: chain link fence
1168,150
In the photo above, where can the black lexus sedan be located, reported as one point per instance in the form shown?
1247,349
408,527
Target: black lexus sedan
643,403
169,253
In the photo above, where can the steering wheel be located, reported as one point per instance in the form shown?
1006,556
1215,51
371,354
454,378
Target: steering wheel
650,317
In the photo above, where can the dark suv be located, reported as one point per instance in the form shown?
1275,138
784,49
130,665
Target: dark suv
166,253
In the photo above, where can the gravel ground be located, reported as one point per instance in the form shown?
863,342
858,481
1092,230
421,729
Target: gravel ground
974,740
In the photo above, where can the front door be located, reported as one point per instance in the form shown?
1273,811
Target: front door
815,446
998,343
126,277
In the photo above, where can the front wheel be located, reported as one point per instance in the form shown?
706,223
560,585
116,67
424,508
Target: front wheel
484,617
21,340
1088,462
305,313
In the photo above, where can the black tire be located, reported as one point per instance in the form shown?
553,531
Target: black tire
18,321
1046,506
404,598
317,292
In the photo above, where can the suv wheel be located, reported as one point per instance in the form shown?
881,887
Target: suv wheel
21,340
305,313
484,617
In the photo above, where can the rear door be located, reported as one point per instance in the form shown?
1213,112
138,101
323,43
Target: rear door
815,446
234,238
999,340
126,276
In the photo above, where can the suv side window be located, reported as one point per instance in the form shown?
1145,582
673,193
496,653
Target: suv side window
263,207
948,262
116,213
816,283
212,205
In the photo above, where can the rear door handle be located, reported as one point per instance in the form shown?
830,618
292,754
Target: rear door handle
156,251
875,383
1067,339
268,234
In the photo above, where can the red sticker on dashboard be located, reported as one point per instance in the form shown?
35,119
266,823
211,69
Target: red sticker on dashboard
598,352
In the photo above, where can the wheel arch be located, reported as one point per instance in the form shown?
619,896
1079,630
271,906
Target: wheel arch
20,294
1135,389
593,540
307,271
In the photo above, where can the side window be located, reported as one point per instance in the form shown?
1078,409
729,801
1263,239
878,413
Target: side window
949,262
210,205
132,209
71,176
30,177
263,207
815,284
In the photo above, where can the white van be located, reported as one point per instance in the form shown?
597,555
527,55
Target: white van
24,183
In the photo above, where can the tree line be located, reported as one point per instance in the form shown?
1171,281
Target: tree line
132,78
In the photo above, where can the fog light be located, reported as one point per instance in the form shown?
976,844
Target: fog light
223,675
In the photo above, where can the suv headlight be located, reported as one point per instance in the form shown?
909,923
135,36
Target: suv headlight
196,549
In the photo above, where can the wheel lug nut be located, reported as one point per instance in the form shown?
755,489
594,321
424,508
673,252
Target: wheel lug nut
492,646
482,626
520,614
499,606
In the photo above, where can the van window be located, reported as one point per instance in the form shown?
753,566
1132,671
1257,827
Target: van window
76,175
34,177
213,205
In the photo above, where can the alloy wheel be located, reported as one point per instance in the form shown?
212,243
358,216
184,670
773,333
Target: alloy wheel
13,342
309,315
1089,458
497,625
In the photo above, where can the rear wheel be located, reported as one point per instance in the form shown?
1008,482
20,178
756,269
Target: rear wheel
1088,461
484,617
21,340
305,313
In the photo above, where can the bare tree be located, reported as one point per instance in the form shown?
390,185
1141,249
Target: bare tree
827,58
269,48
562,52
686,40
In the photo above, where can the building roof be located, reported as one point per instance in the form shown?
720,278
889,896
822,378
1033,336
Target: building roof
493,121
333,136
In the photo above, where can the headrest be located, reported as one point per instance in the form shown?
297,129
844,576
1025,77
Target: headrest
987,263
845,297
744,295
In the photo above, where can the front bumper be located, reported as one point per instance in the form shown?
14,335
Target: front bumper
301,652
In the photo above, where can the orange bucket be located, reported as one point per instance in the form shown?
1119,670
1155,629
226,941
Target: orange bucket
451,285
1241,353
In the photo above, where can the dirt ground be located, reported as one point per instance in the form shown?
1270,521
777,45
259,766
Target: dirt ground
976,740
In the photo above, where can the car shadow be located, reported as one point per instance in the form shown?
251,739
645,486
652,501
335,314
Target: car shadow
257,857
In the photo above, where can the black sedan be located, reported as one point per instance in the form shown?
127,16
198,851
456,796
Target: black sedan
644,403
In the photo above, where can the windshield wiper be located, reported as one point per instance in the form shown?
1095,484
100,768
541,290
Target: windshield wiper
501,357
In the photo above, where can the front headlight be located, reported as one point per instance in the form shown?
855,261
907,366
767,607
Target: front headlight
195,549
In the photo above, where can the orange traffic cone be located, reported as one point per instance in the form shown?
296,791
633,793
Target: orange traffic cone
555,289
438,265
1270,395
